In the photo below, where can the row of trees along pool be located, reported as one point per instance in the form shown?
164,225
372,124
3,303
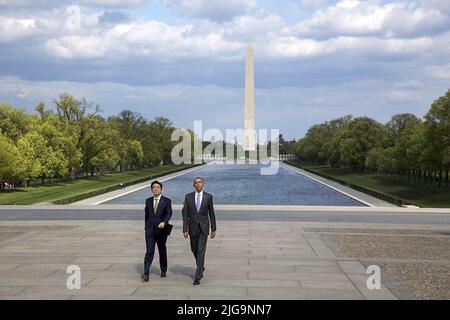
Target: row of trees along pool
414,149
73,140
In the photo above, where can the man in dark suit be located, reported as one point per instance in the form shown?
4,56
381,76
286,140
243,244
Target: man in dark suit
158,211
198,209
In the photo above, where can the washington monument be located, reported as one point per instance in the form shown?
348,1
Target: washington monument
249,118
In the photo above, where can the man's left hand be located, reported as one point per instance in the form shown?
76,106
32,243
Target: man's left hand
161,225
213,235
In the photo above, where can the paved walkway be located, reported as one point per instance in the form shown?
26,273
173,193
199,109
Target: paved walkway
398,215
260,252
247,260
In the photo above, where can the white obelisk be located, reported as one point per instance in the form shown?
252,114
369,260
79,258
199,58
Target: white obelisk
249,117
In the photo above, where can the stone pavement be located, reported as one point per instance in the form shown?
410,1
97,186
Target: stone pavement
247,260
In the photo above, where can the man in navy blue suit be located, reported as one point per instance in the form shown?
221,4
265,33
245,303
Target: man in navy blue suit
158,211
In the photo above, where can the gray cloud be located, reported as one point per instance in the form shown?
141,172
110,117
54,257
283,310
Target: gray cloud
113,16
291,109
217,10
306,71
374,18
46,4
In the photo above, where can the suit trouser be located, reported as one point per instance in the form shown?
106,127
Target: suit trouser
198,247
150,242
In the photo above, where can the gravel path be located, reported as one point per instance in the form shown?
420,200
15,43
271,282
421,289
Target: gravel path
427,281
428,277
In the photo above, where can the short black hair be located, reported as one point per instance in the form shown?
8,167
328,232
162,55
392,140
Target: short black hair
156,182
199,178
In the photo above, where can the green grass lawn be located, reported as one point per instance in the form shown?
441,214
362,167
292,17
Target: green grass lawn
59,190
416,193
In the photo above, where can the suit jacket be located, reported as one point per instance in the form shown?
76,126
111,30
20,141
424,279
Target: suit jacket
153,219
195,222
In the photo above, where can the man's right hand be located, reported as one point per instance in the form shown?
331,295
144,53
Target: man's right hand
185,234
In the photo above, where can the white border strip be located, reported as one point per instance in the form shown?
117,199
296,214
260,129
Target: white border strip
226,207
143,187
329,186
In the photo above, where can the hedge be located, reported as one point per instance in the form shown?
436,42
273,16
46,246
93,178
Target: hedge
392,199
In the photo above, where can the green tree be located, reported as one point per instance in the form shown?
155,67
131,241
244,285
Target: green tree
128,123
321,142
315,139
58,145
437,138
32,147
134,152
91,132
403,143
9,156
15,122
356,138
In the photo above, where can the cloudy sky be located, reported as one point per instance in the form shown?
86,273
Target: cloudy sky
315,60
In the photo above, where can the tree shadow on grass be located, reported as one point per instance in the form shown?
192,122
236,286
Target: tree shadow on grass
12,191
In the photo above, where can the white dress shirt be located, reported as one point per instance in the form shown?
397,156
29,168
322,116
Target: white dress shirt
200,200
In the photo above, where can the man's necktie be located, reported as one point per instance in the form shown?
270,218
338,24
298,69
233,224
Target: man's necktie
197,204
155,205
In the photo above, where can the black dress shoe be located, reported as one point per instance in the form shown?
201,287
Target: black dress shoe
145,277
196,282
163,274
